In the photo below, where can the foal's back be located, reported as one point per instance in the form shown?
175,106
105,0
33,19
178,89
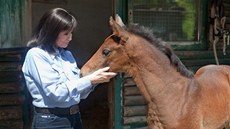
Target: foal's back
214,97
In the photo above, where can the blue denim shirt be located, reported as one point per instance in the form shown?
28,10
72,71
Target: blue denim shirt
54,80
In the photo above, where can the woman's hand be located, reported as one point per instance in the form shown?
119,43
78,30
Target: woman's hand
101,76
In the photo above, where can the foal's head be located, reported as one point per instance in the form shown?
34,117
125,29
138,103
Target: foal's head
117,49
112,52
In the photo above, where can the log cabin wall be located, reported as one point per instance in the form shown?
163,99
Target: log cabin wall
15,29
14,111
134,108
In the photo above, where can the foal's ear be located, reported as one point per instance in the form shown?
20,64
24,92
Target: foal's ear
118,29
119,21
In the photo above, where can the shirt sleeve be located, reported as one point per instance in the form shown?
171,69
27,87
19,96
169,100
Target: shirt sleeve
52,81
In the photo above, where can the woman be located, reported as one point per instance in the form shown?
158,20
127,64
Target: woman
52,75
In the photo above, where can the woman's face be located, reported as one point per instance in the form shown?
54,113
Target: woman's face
63,39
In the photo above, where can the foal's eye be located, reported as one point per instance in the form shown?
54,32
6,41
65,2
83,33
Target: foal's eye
116,38
106,52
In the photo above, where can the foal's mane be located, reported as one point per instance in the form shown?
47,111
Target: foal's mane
147,34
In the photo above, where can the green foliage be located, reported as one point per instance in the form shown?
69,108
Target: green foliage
189,20
186,7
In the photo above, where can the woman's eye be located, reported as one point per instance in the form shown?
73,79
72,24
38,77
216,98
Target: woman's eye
106,52
67,33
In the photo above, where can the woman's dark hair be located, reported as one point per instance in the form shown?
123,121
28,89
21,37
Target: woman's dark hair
51,24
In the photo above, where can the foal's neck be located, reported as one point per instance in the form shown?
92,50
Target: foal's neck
153,72
166,90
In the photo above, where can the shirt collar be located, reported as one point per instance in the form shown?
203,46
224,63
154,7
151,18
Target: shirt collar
58,52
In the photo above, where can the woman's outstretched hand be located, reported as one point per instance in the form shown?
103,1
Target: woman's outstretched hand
102,75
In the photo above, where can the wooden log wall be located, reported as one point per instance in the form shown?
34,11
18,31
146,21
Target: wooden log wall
12,95
134,107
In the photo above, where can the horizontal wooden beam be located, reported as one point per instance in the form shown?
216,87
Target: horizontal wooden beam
135,111
131,91
134,100
134,120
